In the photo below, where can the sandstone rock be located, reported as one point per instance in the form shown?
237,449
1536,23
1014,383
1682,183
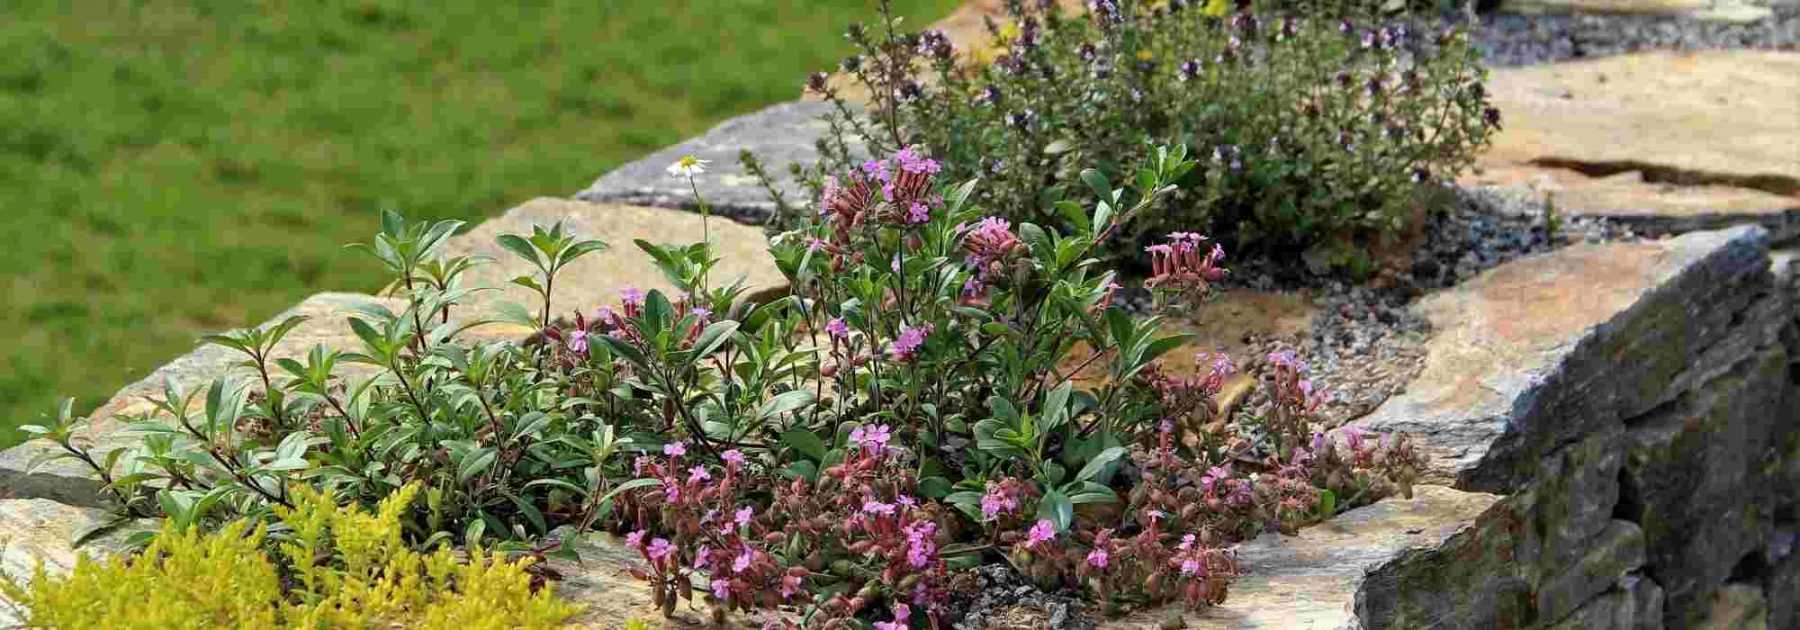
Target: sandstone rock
34,531
1666,141
1616,551
1319,578
779,135
596,279
599,584
1536,353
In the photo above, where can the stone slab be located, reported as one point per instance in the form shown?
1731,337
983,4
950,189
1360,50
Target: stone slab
1669,141
596,279
779,135
41,531
1536,353
1315,579
1735,11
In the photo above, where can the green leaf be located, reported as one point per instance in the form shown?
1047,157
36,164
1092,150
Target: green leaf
714,336
1327,503
521,248
475,464
1096,181
1099,463
1056,508
934,487
785,402
806,442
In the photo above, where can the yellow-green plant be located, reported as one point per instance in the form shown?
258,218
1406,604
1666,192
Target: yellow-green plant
326,567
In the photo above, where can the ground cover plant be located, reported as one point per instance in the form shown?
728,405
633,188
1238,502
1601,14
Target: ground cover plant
169,169
1321,127
940,388
319,565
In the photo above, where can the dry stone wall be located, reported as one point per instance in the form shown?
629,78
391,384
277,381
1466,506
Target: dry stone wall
1615,427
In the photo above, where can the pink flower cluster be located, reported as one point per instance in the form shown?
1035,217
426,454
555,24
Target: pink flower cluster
1184,264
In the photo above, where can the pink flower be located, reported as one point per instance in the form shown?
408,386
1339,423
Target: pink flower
659,549
635,540
878,508
674,449
743,560
1190,566
920,548
1044,531
901,613
837,328
671,491
918,213
815,245
1098,558
991,240
1286,359
721,588
702,557
578,341
632,297
1180,263
790,584
1187,542
997,500
733,457
698,474
743,515
904,347
872,438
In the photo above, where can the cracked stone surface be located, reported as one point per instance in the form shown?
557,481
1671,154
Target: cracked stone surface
41,532
1666,141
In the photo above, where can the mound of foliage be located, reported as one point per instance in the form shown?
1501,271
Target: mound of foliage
318,565
940,388
1321,128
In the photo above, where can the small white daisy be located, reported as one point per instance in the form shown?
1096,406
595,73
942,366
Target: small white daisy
688,166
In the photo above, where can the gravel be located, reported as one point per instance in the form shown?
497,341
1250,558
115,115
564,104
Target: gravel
1521,40
994,597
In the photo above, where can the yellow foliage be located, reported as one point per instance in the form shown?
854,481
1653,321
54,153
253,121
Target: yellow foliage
348,569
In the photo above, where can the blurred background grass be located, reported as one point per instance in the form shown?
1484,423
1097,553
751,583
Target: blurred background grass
169,169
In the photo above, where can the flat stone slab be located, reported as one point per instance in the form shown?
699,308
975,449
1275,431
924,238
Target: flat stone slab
595,280
36,532
1535,353
1736,11
779,135
1316,578
1666,141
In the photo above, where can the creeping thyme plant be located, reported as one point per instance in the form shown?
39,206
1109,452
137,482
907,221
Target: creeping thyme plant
1323,125
940,387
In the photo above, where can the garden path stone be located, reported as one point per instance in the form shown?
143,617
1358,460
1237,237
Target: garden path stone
1527,357
595,280
1666,142
779,135
1318,579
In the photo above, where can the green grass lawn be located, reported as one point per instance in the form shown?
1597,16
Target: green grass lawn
174,168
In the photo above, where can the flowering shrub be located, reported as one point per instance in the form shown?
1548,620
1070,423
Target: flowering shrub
909,409
1320,126
323,566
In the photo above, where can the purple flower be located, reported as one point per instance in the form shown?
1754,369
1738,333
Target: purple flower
997,500
674,449
578,342
721,588
1044,531
1288,360
659,549
837,328
918,213
1187,542
920,548
702,557
698,474
903,348
733,457
743,560
1098,558
911,162
815,245
743,515
635,540
1190,566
